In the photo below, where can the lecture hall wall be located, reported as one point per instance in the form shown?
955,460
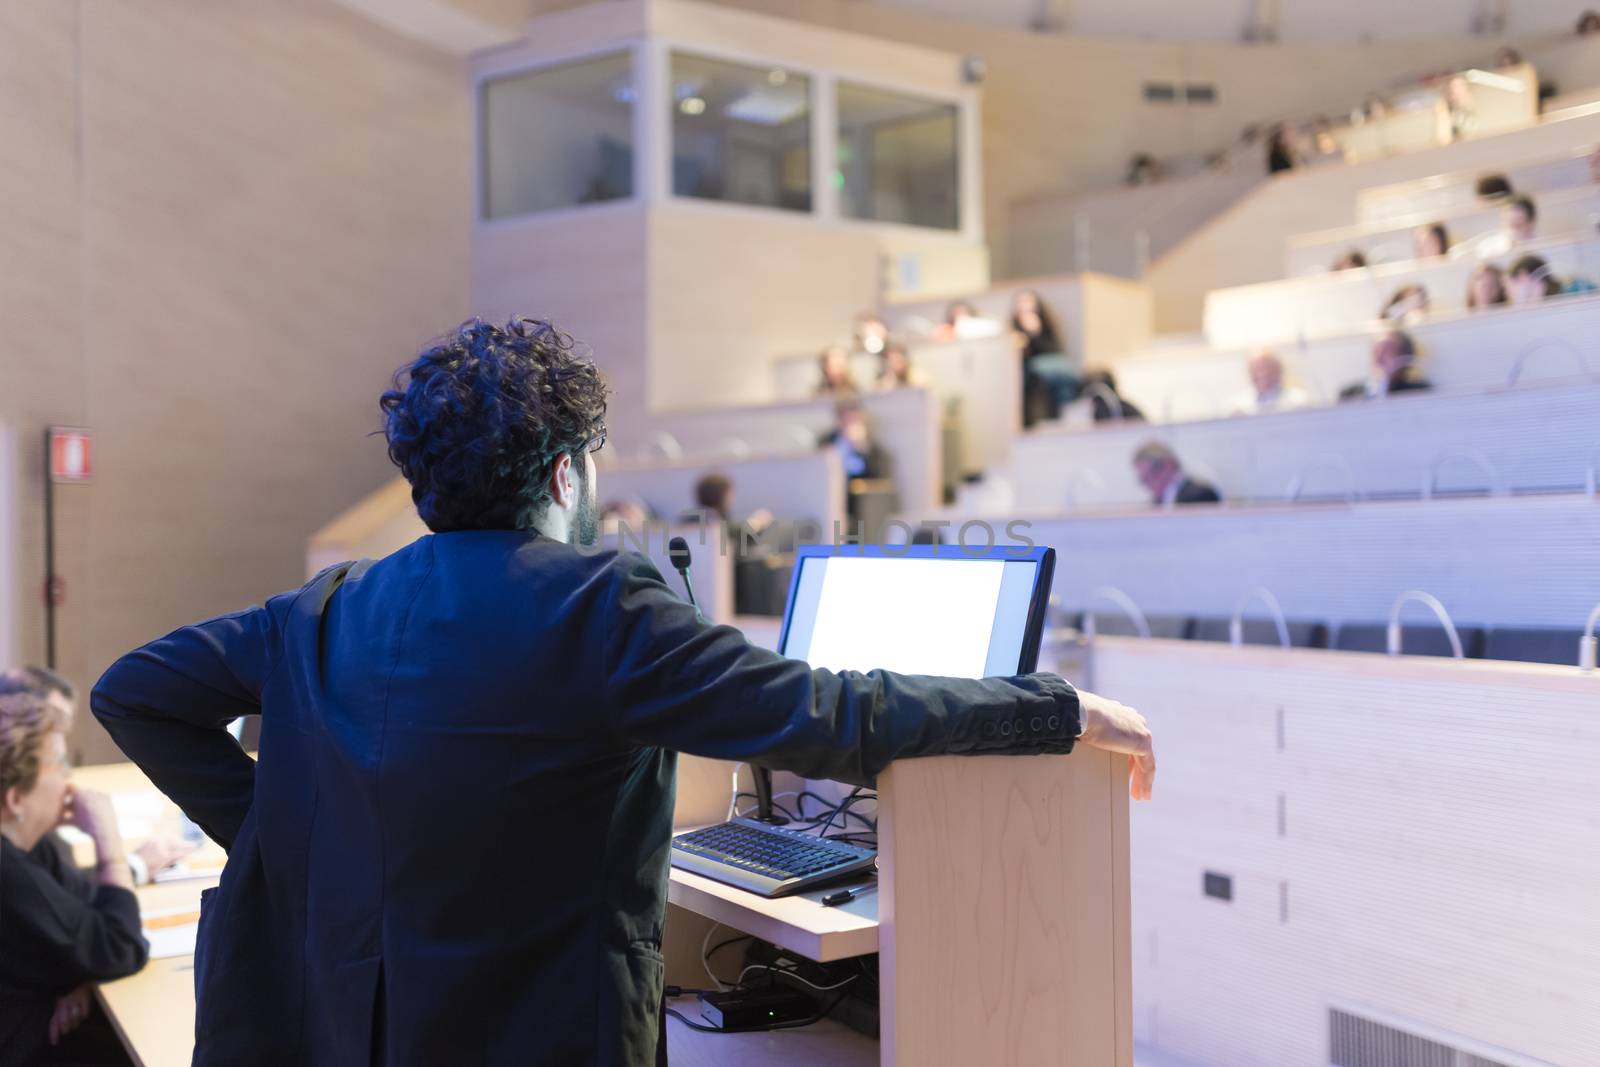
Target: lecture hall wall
226,224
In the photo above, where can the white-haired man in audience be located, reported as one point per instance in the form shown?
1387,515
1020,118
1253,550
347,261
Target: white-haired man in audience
1268,392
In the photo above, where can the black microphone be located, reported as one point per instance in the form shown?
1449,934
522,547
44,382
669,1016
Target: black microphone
678,556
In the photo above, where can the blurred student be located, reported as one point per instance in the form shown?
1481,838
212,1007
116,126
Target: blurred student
863,458
1588,23
1161,474
1430,241
1351,260
1493,189
963,323
1100,386
1268,392
1281,154
1531,280
1143,170
834,369
1460,108
61,929
1518,223
1520,219
1407,307
1394,357
629,513
871,335
895,370
1046,374
1486,288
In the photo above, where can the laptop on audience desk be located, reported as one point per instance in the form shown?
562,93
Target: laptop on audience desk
912,609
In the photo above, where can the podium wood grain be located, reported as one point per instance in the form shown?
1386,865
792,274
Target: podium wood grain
1004,912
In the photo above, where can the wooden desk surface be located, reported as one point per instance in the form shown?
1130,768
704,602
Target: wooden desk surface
153,1011
799,922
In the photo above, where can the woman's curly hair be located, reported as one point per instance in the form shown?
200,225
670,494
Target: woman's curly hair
477,422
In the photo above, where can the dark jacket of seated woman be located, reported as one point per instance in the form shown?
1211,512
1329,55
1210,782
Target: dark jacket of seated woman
61,928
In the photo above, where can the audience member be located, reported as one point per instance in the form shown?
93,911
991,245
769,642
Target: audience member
713,497
1461,108
1531,281
61,929
1486,287
1143,170
1588,22
1048,380
1268,392
895,370
1280,150
1394,356
150,858
834,365
1351,260
871,334
629,513
1325,147
1162,475
1521,217
1493,188
963,323
1407,307
1430,241
1506,56
1101,388
862,456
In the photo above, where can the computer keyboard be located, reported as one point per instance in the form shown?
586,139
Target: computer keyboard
768,860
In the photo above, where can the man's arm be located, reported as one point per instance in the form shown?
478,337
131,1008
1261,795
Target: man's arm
673,680
168,705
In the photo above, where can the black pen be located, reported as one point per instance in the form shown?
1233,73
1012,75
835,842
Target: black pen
845,896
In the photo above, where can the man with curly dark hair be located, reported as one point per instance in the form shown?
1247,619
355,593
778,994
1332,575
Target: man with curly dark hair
454,847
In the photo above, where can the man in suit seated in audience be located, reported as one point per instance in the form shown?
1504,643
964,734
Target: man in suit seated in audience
1161,473
1267,392
1394,358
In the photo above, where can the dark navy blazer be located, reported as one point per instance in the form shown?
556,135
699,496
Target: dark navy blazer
454,846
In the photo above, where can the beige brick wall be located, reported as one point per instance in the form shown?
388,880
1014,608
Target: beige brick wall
224,225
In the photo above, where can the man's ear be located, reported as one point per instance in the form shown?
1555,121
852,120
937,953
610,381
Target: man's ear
11,800
563,486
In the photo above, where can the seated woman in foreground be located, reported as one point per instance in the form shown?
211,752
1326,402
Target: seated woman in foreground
61,929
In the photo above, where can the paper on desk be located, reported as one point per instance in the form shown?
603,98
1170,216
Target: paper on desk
171,932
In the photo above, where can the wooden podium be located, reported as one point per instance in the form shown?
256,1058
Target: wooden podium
1001,919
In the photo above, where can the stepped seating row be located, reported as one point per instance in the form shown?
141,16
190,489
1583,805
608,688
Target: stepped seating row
1440,194
1519,562
1523,644
1558,338
1331,304
1532,438
1389,241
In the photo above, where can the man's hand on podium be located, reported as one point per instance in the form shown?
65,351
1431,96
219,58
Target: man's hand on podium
1116,727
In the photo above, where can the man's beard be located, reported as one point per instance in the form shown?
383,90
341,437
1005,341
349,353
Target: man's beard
586,518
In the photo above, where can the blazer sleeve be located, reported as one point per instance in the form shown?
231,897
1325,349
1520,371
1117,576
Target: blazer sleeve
168,705
674,681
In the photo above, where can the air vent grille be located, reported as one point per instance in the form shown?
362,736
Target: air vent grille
1357,1041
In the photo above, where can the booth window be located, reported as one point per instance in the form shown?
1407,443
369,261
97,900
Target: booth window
898,158
557,137
741,133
